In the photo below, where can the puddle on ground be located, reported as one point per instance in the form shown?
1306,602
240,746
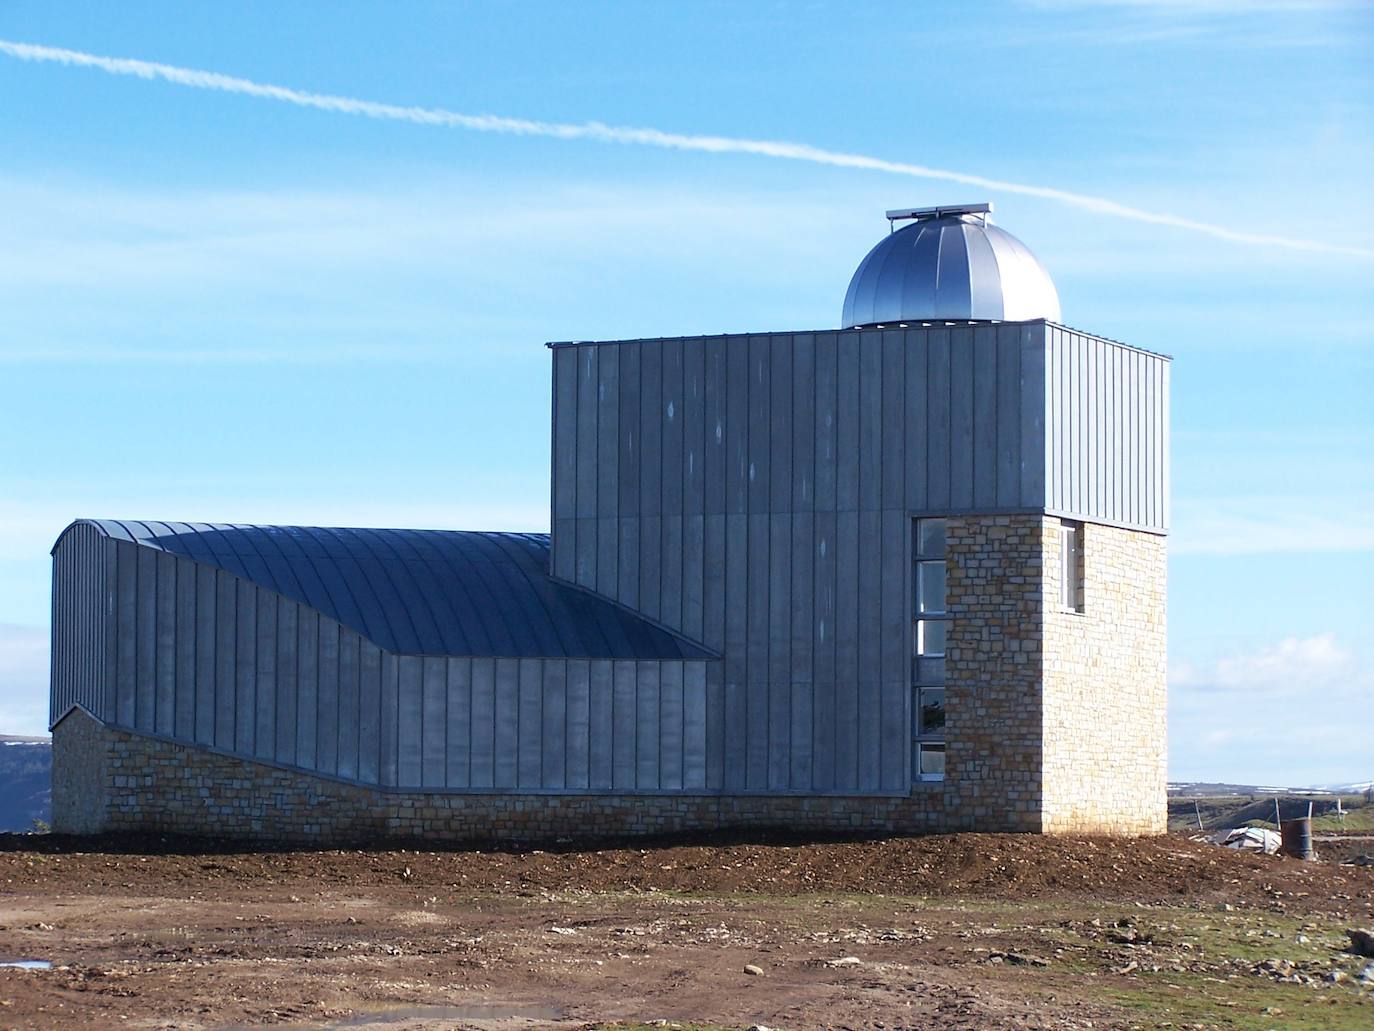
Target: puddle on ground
26,964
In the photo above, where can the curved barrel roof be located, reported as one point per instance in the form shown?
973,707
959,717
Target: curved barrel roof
422,592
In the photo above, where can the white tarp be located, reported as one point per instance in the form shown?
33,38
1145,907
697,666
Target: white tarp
1249,839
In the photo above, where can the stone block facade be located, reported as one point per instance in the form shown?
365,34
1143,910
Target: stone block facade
1104,694
994,659
82,789
1055,719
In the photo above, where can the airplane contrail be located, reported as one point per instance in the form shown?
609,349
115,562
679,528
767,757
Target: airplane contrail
600,132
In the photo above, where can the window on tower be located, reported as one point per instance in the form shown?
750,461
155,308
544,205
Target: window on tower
929,637
1071,566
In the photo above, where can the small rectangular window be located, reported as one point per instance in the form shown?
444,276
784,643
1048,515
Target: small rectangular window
930,592
932,702
931,636
930,538
1071,565
930,761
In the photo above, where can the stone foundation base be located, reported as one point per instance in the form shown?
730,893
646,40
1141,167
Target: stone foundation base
128,782
109,780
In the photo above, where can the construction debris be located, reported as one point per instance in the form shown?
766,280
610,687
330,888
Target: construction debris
1249,839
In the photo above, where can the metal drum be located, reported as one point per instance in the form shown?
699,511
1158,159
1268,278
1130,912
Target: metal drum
1297,838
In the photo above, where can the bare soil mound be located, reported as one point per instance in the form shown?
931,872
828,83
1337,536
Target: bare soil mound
997,866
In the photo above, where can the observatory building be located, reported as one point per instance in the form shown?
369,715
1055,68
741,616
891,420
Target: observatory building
905,575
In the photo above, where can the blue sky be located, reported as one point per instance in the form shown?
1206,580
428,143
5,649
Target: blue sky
227,308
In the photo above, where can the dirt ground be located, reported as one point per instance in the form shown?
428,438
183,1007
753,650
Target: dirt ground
957,931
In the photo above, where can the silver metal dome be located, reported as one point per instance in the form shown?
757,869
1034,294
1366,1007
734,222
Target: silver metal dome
951,264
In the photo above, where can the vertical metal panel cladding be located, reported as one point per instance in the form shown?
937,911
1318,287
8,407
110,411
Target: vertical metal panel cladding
1106,431
816,449
202,656
206,656
82,612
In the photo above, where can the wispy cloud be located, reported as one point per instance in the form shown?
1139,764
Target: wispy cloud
1255,24
81,231
647,137
1267,525
1317,661
251,355
1193,8
1292,712
414,272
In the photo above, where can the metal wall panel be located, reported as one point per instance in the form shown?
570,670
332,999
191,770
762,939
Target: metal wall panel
225,612
284,748
577,757
694,724
82,600
249,672
1107,424
648,769
554,725
671,739
434,726
624,726
370,748
265,677
601,724
390,772
307,690
205,632
529,731
482,740
458,722
564,453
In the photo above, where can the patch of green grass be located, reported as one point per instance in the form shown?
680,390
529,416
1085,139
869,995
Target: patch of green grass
1361,819
1186,998
1216,987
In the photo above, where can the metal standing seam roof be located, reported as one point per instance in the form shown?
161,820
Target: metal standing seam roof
422,592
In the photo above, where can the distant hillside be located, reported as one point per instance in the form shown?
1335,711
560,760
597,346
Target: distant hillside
1226,810
26,778
1211,789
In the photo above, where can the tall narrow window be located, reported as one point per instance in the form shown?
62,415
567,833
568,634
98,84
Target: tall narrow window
931,616
1071,565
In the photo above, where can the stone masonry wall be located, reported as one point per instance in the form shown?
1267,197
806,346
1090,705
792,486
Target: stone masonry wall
80,751
1055,720
1105,764
156,785
993,663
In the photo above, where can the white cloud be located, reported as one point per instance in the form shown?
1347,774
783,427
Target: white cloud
87,233
23,679
1314,663
1268,525
1197,8
1295,712
91,273
1233,24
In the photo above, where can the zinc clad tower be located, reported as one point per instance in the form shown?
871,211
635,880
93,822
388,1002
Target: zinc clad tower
929,546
